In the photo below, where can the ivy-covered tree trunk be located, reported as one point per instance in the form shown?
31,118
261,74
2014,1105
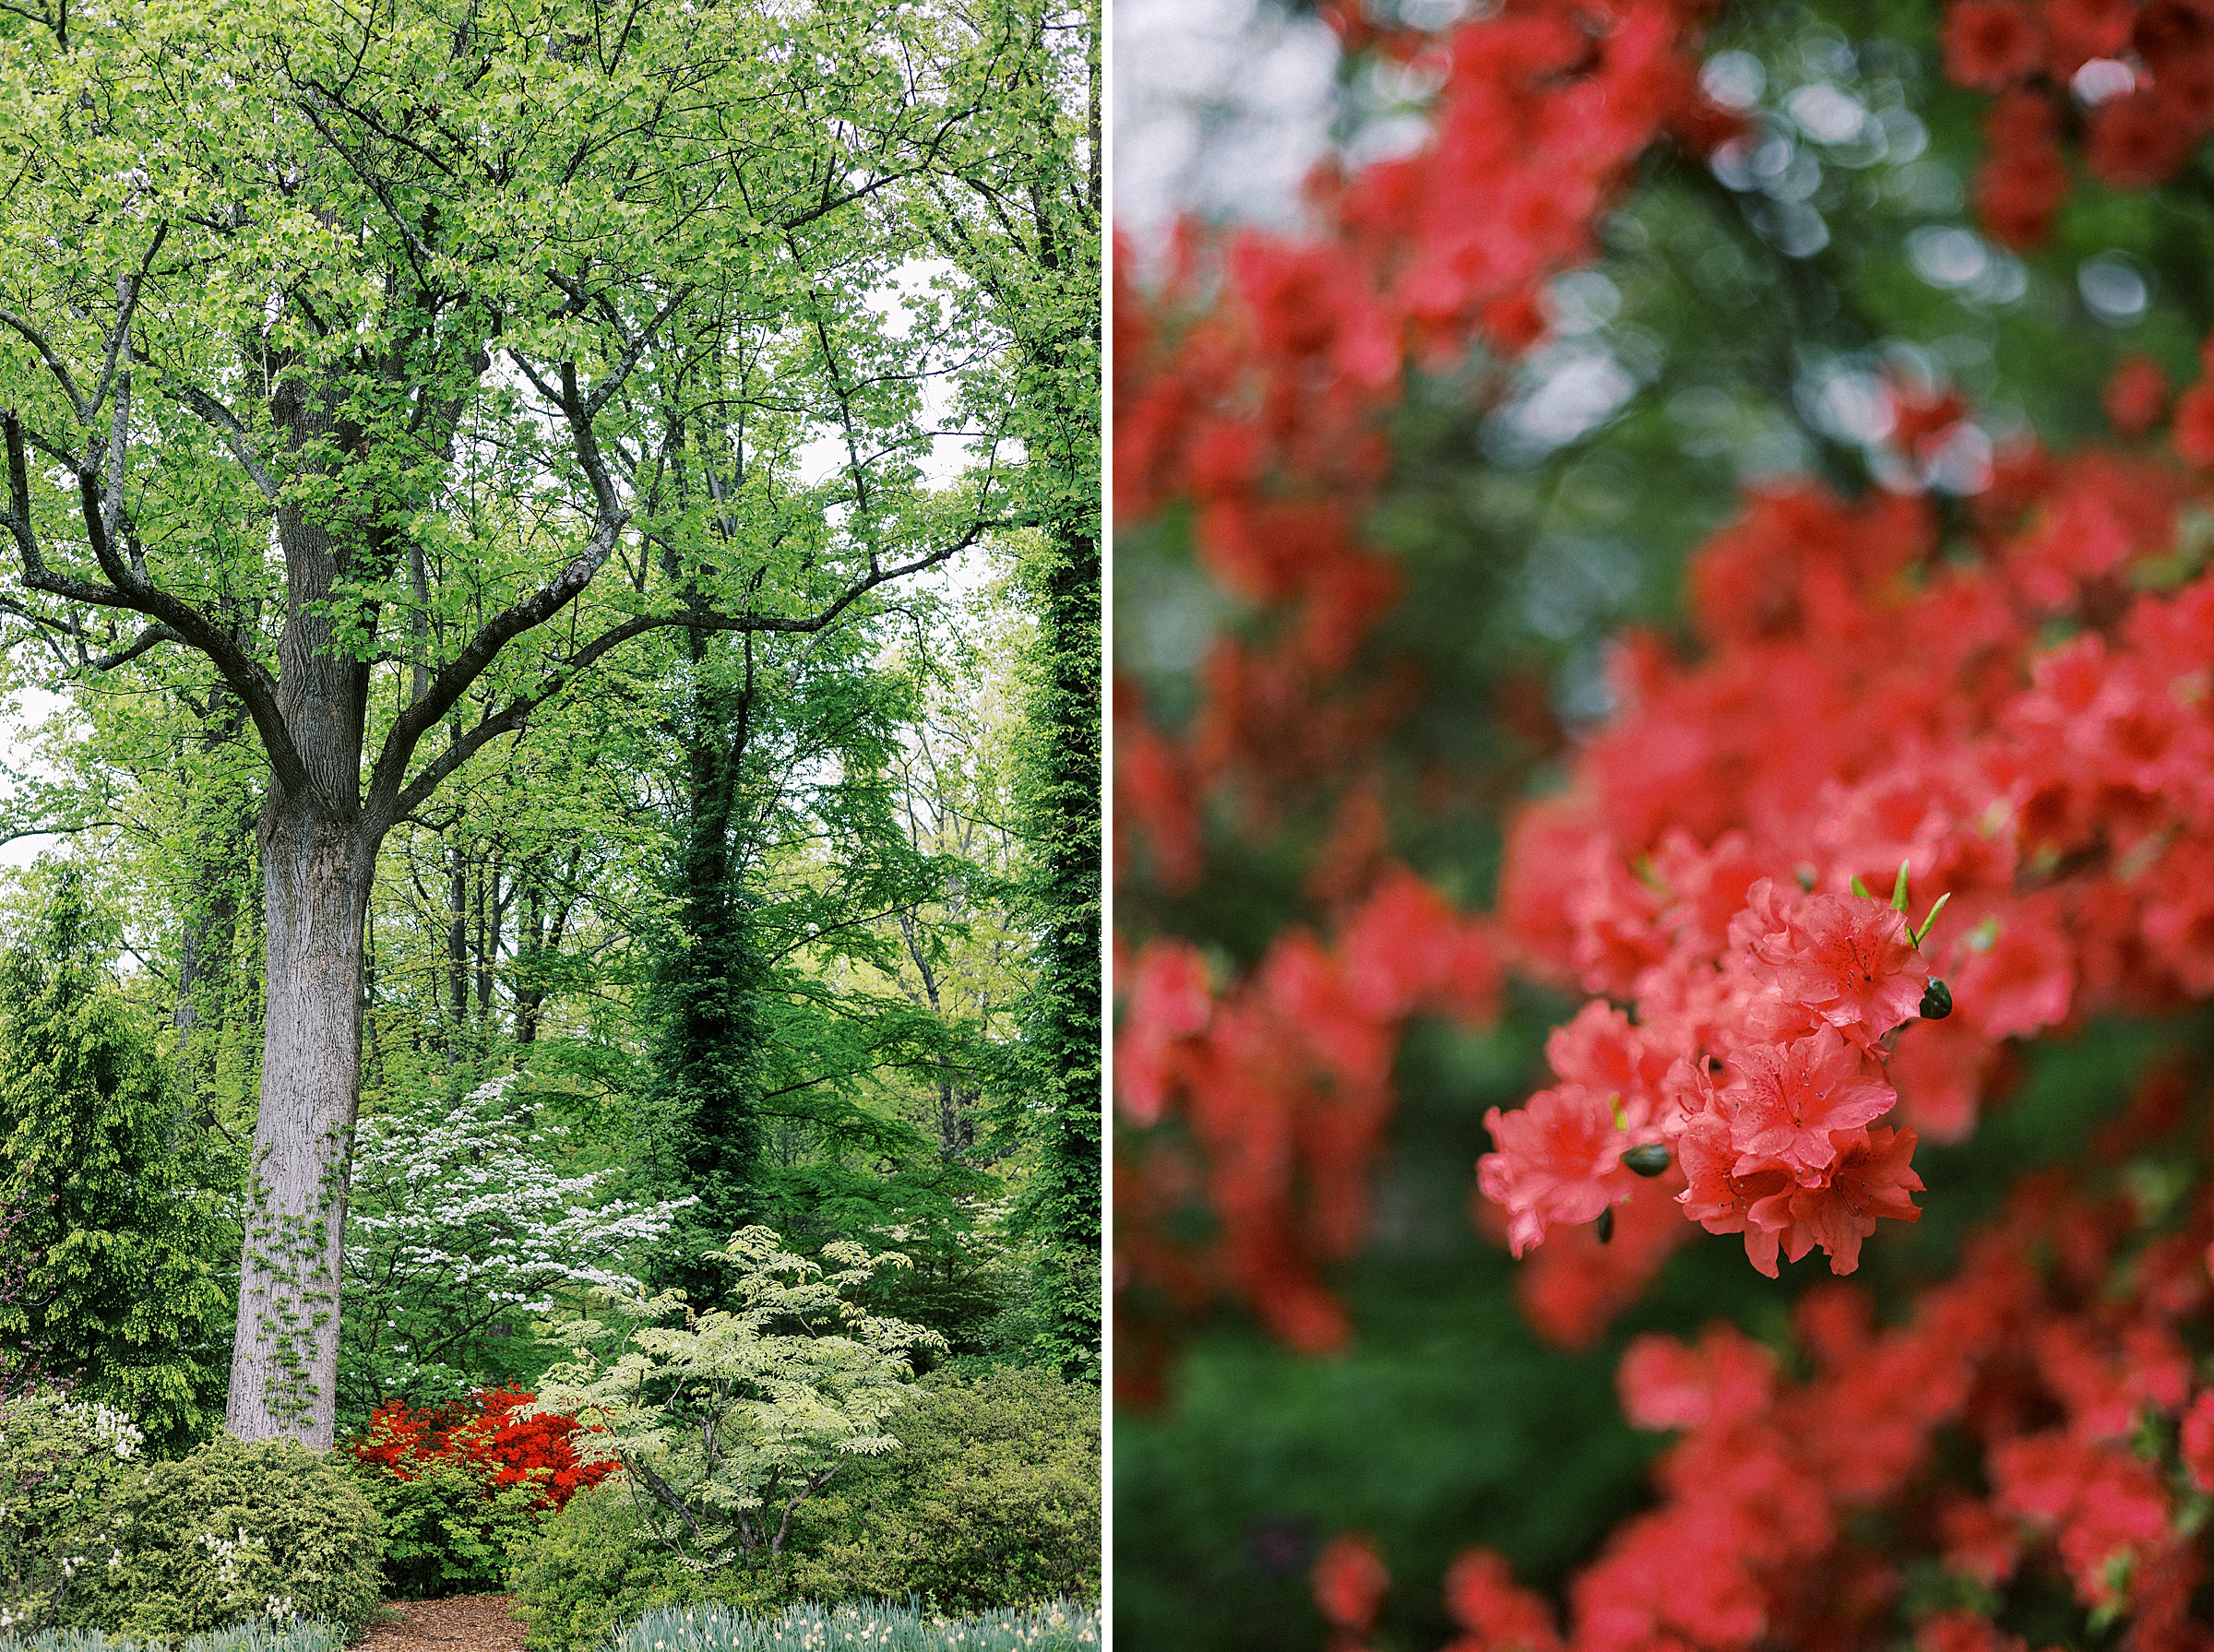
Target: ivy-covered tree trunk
1060,1209
708,1057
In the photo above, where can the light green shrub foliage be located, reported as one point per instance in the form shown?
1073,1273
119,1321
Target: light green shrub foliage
62,1465
725,1421
597,1564
1057,1627
251,1636
993,1502
237,1532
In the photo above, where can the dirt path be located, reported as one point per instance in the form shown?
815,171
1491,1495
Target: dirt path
459,1624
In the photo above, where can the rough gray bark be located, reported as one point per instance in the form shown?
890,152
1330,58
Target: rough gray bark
284,1365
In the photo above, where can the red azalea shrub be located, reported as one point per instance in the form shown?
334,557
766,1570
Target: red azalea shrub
1864,717
1927,788
488,1436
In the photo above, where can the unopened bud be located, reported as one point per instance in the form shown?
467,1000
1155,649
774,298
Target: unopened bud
1937,1001
1606,1224
1647,1159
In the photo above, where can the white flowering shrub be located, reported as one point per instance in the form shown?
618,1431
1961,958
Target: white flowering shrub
63,1465
725,1421
464,1227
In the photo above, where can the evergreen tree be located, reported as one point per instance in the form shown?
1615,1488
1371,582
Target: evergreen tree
121,1295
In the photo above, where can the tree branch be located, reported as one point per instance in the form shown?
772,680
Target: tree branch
146,642
245,675
128,306
225,421
387,800
54,363
391,804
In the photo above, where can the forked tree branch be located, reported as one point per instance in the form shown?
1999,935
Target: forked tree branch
124,589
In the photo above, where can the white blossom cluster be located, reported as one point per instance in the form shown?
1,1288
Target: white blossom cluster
474,1210
109,1429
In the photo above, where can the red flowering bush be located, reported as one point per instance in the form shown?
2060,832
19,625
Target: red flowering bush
1924,779
487,1437
1863,711
2022,1426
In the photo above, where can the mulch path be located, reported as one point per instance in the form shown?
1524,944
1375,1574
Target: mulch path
458,1624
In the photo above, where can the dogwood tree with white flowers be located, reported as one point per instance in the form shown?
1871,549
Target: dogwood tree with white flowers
465,1229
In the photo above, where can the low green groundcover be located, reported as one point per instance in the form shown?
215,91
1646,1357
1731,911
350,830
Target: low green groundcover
1060,1627
297,1636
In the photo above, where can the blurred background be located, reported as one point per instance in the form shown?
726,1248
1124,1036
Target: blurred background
1786,307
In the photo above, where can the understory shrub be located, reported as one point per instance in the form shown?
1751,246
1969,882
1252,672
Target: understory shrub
995,1502
1056,1627
254,1635
62,1464
237,1530
598,1562
446,1531
726,1421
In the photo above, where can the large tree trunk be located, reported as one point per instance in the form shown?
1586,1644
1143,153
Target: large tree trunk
318,856
284,1367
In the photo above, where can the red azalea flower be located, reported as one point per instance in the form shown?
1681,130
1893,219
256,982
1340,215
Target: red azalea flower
2195,426
1721,1201
1481,1595
1559,1160
2135,396
1991,44
1848,959
1349,1582
1872,1180
2197,1441
1788,1102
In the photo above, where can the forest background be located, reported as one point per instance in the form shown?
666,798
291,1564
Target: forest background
791,919
1857,275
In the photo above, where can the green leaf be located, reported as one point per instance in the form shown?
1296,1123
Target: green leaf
1921,934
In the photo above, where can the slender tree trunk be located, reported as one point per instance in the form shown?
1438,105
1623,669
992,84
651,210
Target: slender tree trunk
220,848
284,1367
457,950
